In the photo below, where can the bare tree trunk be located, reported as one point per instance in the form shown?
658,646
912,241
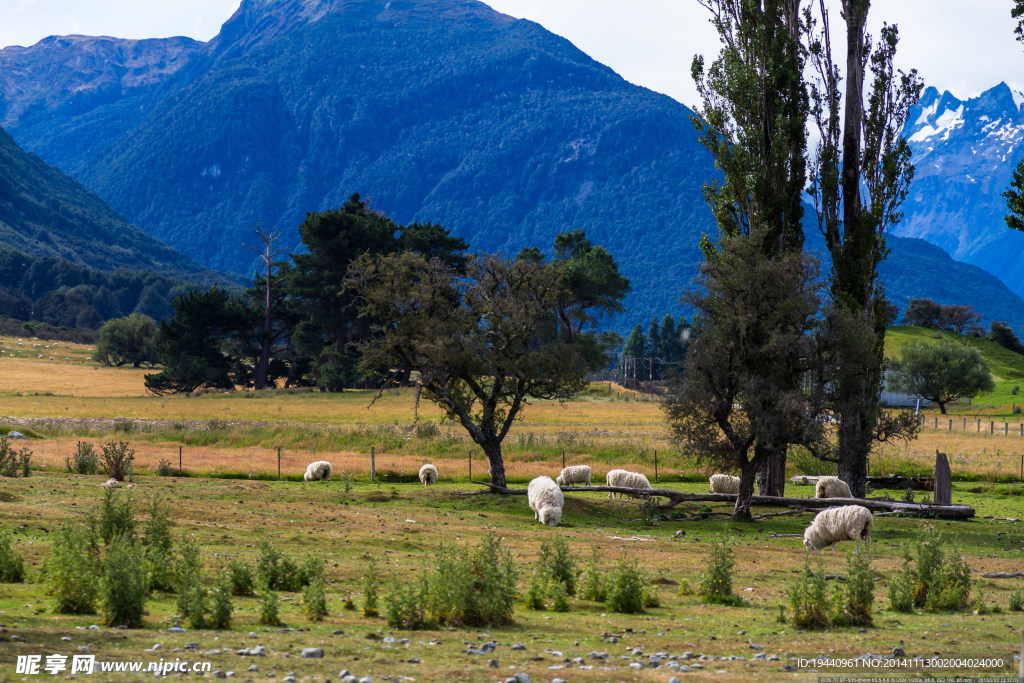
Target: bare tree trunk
496,466
741,511
771,475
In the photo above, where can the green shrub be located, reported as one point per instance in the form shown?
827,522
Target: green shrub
117,516
593,581
559,596
1016,603
557,563
536,591
13,462
240,578
371,587
164,468
12,564
124,587
859,593
74,570
187,576
939,580
314,599
716,580
118,460
277,570
346,481
220,611
159,545
268,610
83,460
466,587
811,606
193,604
626,588
651,598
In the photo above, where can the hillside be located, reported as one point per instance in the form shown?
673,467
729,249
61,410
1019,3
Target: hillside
436,111
1006,366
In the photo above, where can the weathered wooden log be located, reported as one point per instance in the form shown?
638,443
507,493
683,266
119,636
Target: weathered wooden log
1001,575
893,481
677,497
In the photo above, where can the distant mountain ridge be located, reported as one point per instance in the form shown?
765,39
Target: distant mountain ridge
435,110
964,153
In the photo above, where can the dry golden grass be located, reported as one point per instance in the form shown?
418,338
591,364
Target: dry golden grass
65,369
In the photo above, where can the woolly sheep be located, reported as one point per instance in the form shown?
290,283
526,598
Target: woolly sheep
428,475
832,487
724,483
318,471
625,478
546,500
846,523
574,474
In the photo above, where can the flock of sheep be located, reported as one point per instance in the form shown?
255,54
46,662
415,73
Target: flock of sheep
845,523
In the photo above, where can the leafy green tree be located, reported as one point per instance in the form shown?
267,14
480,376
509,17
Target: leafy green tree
633,351
483,343
131,339
191,345
861,174
654,351
1002,334
922,313
741,394
941,372
753,122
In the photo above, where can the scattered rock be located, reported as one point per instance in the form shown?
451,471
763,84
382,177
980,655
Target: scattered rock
312,652
518,646
66,639
493,663
755,647
674,679
413,660
898,652
17,435
173,629
253,667
219,674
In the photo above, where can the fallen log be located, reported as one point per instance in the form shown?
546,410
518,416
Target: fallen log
677,497
893,481
1001,575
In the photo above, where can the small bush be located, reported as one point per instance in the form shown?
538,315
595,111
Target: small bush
159,546
346,481
1015,390
939,580
221,609
900,591
124,587
556,562
118,460
593,581
1016,603
716,580
371,587
626,588
83,460
811,606
536,592
13,462
859,594
164,468
240,578
466,587
268,610
187,574
74,570
651,598
559,596
314,599
277,570
117,516
12,565
685,588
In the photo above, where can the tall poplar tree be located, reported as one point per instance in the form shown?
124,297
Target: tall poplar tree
861,174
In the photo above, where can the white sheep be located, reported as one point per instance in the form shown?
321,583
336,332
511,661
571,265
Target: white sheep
318,471
724,483
574,474
846,523
546,500
628,479
428,475
832,487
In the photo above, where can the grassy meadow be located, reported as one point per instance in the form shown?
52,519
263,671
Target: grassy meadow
230,500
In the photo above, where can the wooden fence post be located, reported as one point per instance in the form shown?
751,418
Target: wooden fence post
943,480
279,464
655,465
181,472
373,463
992,427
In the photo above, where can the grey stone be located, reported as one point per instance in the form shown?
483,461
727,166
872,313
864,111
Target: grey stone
389,639
16,435
214,651
674,679
558,680
365,679
522,678
518,646
219,674
489,646
413,660
672,665
66,639
252,634
192,646
689,655
685,668
789,667
774,658
350,679
598,655
94,627
344,672
312,652
493,663
288,679
898,652
253,667
754,646
636,665
761,655
173,629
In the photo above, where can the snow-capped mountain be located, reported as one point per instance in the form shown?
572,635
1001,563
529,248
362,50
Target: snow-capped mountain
964,153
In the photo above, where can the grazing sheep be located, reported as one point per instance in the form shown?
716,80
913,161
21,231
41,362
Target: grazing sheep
832,487
574,474
625,478
846,523
318,471
428,475
724,483
546,500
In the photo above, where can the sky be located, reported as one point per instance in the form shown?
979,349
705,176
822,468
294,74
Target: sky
964,46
